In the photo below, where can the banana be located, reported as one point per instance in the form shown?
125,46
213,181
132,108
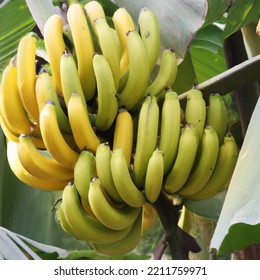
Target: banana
112,217
45,90
106,92
154,176
170,129
7,132
23,175
217,116
84,48
150,216
103,166
40,163
110,48
83,225
205,164
83,172
124,246
53,138
124,133
55,46
83,133
150,34
123,181
139,72
166,75
26,73
146,138
11,107
195,111
187,151
223,170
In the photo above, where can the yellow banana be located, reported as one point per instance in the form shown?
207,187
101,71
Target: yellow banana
195,111
170,129
124,246
217,116
187,151
103,166
150,33
146,138
26,73
150,216
53,138
116,218
55,46
83,133
39,163
126,188
84,48
7,132
124,133
106,93
223,170
205,164
154,176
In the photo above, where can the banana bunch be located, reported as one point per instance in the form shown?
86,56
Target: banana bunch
102,123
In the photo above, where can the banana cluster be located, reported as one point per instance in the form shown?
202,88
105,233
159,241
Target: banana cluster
100,122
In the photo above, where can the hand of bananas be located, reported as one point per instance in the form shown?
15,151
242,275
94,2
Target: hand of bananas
98,127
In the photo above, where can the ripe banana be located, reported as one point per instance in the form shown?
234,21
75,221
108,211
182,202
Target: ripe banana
103,166
84,48
146,138
170,129
53,138
124,133
26,72
107,102
83,173
187,151
8,134
204,167
116,218
124,246
217,116
154,176
195,111
150,34
223,170
55,46
83,133
123,181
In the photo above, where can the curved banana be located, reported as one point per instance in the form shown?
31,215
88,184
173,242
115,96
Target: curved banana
205,164
39,163
195,111
53,138
55,46
116,218
123,181
83,133
223,170
139,72
11,107
83,225
217,116
7,132
170,129
124,246
84,48
150,34
83,173
26,73
187,151
146,138
106,92
103,166
166,75
154,176
124,133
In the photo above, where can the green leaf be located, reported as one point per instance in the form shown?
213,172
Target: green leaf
215,10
